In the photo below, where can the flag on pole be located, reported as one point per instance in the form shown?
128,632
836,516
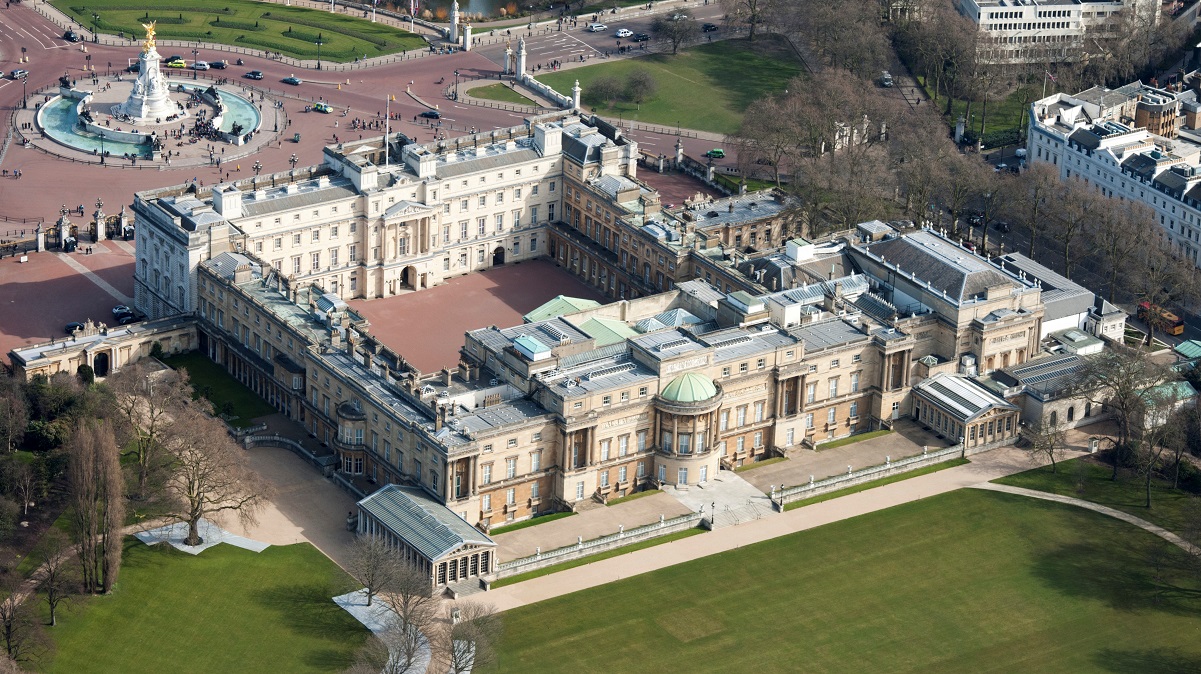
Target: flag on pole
412,7
1052,77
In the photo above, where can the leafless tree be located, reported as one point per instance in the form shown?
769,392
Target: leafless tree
640,85
56,577
374,564
469,643
97,490
963,180
676,29
1077,206
753,13
1117,233
1046,441
148,402
1161,429
22,483
20,629
394,650
1037,188
209,476
1116,378
1160,276
14,413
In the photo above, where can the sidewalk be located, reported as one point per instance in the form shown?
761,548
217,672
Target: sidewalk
984,467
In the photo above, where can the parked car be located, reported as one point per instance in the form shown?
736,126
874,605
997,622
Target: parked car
597,28
71,36
200,65
219,65
641,37
254,75
323,107
121,309
431,114
1002,226
709,27
134,67
886,79
126,319
19,73
72,327
291,79
975,219
624,32
969,245
716,153
175,62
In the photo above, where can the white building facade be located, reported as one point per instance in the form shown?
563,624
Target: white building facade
1031,31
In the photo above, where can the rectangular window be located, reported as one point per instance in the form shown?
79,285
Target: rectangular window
604,478
810,393
579,490
621,474
623,445
759,411
809,420
486,474
481,226
834,388
510,496
534,490
510,468
333,257
742,415
788,437
604,450
759,440
723,420
642,441
854,409
854,382
641,469
761,363
830,415
316,261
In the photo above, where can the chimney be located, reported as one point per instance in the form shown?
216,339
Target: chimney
731,205
439,416
335,337
446,375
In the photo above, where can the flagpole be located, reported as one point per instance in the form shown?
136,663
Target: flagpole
1046,73
387,118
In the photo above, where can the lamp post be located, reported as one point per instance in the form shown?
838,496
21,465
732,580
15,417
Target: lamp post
195,54
24,96
319,42
257,167
292,160
95,23
456,85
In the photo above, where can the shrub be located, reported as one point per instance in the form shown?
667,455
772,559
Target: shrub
1001,138
86,374
156,350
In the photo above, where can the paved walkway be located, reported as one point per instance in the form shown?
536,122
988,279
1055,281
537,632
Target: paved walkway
1095,507
121,297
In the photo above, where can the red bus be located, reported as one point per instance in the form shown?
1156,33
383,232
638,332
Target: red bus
1163,319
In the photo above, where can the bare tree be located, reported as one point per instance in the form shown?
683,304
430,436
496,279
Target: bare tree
640,85
98,504
56,577
395,650
677,28
1116,378
1078,204
468,643
1160,276
1161,429
209,476
1118,232
148,401
20,629
374,564
14,413
22,483
1036,187
754,13
1046,441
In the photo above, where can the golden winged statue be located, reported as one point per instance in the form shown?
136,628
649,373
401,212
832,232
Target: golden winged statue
148,45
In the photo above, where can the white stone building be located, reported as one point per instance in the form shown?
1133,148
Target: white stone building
1033,31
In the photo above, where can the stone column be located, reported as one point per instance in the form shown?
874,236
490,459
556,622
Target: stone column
41,239
520,69
575,96
454,21
467,37
679,151
508,69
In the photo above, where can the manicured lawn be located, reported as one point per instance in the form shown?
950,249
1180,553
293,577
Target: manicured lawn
213,382
924,470
616,552
705,87
858,437
542,519
1003,113
967,581
633,497
224,610
1087,479
292,31
500,92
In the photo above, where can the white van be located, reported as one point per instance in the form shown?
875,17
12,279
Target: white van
597,28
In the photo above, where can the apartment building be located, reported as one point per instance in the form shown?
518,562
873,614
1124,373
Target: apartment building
1136,142
1046,31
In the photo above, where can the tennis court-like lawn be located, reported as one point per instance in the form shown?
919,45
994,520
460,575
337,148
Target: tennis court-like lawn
224,610
705,87
292,31
219,387
968,581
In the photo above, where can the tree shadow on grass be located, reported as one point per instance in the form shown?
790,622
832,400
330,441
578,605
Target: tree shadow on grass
1139,574
309,609
1148,661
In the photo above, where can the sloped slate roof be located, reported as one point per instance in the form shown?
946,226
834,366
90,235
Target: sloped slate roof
224,264
559,306
430,527
946,267
607,331
960,396
1190,349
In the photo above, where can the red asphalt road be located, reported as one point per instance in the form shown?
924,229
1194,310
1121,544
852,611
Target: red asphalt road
427,326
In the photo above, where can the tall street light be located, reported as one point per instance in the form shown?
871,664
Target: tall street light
24,96
292,160
319,42
195,54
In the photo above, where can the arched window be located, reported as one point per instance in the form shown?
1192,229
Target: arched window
1054,418
1088,409
1071,413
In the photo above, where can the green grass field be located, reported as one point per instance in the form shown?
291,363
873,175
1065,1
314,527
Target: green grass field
706,87
224,610
1086,479
1003,113
292,31
924,470
499,92
213,382
967,581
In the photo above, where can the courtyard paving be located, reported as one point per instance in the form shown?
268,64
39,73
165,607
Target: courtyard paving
589,524
500,296
907,440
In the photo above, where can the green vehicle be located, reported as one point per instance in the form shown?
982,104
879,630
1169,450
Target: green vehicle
716,153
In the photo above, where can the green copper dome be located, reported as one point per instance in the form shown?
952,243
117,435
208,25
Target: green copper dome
689,388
